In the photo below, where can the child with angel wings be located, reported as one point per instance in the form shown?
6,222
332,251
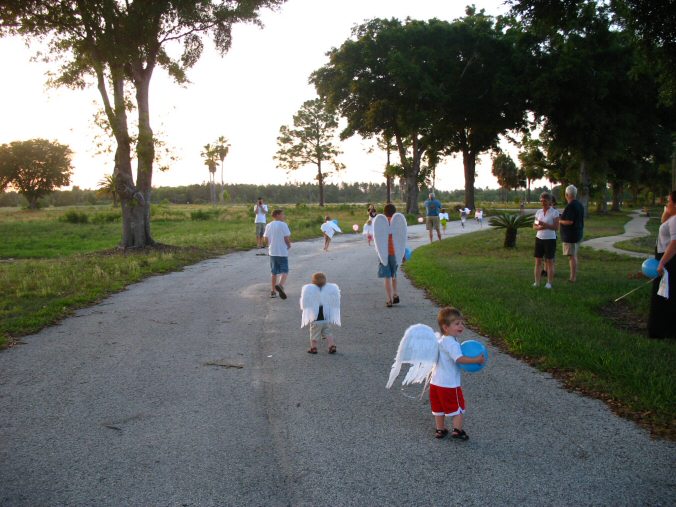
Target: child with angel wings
320,304
389,232
436,356
329,228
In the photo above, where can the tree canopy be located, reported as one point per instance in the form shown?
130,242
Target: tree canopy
35,167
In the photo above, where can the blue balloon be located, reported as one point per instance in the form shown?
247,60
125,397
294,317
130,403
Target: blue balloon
649,268
473,348
408,253
335,221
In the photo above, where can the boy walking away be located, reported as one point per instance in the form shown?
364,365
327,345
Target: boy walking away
446,395
390,231
278,235
320,304
432,210
261,211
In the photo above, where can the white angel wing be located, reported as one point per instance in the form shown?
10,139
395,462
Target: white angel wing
330,301
399,230
309,303
381,231
420,348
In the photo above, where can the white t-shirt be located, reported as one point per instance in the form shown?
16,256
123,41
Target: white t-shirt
446,372
260,216
666,234
330,228
549,218
275,232
478,215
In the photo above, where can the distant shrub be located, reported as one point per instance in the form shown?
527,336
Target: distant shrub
106,218
200,215
75,217
301,205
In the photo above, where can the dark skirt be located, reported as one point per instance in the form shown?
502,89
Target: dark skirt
662,319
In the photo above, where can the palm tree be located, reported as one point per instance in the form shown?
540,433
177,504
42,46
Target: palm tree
511,223
222,148
209,153
108,187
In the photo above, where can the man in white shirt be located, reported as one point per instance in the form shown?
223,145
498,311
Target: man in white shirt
261,210
278,234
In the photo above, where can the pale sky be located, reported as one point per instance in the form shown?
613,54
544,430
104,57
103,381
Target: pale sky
246,96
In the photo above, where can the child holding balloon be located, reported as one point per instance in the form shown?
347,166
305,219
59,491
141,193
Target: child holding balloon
446,395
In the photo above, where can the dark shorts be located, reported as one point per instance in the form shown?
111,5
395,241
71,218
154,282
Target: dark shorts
390,270
545,248
279,265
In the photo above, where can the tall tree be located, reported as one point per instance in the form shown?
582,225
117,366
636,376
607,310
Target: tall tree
222,149
310,142
506,172
210,156
533,162
116,43
35,168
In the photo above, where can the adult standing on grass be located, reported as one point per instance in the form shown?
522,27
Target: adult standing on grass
278,234
432,209
662,309
572,229
261,211
546,224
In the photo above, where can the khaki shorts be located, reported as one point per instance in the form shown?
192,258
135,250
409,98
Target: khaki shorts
319,329
260,229
571,249
432,223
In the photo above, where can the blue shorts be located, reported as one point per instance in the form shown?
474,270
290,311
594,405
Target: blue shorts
390,270
279,264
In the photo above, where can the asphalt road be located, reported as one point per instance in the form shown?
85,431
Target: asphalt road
119,405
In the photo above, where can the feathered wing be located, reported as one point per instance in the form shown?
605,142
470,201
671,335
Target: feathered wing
330,301
399,231
381,231
420,348
310,299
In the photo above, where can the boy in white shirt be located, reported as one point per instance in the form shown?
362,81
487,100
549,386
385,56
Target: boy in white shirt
261,211
446,395
277,234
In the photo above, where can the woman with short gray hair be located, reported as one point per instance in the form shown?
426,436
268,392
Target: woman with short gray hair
546,224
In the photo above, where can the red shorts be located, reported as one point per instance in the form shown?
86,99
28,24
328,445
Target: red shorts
447,401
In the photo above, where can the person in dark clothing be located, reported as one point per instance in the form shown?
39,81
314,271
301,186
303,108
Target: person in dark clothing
663,303
572,229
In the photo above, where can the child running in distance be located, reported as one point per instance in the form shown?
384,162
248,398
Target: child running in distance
368,231
443,217
320,304
446,395
329,228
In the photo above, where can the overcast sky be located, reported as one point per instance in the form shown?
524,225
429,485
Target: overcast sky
245,95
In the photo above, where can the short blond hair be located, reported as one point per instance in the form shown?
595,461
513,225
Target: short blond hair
448,316
319,279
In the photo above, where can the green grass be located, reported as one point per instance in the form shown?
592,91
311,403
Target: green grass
644,244
560,330
608,224
49,267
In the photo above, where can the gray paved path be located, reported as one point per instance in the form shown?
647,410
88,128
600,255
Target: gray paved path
118,406
635,228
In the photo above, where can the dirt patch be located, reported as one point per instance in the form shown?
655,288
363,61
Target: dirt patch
625,317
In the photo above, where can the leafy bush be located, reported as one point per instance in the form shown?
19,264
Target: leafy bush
106,218
200,215
511,223
75,217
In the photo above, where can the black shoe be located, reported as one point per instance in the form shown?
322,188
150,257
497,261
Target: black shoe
395,300
459,434
280,289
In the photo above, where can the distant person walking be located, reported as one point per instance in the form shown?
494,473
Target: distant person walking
432,209
372,211
464,213
663,306
278,236
261,212
572,229
479,216
546,224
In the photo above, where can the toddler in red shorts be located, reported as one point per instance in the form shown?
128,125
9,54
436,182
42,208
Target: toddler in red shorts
445,384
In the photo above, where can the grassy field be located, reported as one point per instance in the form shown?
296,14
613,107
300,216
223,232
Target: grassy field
573,330
49,266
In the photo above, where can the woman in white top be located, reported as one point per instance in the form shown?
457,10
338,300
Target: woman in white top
662,310
546,224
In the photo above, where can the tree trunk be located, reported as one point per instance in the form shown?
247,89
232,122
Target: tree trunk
602,204
584,183
412,179
618,190
510,238
145,147
388,177
320,181
528,191
469,164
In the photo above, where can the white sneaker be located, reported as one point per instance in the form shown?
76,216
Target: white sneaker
548,285
535,284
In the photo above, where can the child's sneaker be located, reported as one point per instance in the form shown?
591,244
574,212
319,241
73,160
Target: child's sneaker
273,294
535,285
548,285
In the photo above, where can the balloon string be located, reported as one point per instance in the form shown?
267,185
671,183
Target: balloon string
634,290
